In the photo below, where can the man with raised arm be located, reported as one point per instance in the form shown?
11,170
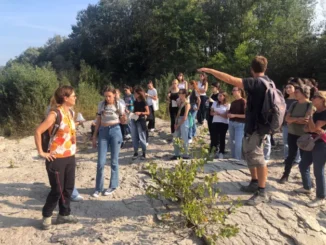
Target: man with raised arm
255,128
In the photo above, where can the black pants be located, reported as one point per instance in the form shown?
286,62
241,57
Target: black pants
201,115
123,130
151,118
61,173
218,136
173,115
293,149
209,123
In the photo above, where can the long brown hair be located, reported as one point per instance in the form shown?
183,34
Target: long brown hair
183,77
205,80
194,84
226,98
141,93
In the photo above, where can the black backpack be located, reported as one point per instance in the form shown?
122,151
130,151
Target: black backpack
47,136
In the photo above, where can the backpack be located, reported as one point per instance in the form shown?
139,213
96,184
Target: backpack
47,135
274,107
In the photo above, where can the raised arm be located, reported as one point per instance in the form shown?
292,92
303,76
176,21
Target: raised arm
235,81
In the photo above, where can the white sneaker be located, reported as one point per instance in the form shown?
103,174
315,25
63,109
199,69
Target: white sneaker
220,156
318,202
96,194
78,198
152,130
147,144
190,141
128,136
302,190
109,191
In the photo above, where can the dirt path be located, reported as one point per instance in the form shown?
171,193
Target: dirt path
128,217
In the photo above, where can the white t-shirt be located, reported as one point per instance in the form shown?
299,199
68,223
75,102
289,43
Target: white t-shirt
151,92
201,86
182,85
110,113
220,109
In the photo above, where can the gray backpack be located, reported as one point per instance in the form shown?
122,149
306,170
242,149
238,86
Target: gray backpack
274,107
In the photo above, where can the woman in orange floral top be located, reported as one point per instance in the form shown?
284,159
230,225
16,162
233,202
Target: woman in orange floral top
60,157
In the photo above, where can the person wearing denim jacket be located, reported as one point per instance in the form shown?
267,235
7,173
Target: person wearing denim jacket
194,107
181,126
109,116
237,116
316,126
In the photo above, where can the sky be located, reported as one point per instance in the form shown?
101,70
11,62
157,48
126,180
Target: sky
30,23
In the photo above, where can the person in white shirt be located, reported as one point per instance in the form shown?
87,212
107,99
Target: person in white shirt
202,87
183,84
220,125
151,97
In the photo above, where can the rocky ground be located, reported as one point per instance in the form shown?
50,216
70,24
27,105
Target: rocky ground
129,216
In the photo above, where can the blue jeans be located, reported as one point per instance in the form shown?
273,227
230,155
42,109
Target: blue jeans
236,131
267,147
286,146
138,134
318,157
109,137
182,132
75,193
192,130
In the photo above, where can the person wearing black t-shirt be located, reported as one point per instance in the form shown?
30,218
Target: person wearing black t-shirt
255,128
316,126
215,91
138,126
172,99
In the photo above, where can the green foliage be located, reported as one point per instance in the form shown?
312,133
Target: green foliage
197,199
25,92
87,100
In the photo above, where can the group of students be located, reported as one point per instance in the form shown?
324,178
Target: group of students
117,118
190,100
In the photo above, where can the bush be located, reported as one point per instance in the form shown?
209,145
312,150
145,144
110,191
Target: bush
25,92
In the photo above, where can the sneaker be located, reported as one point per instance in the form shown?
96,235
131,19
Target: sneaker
143,157
147,144
257,198
122,144
109,191
251,188
174,158
96,194
186,157
47,223
69,219
190,141
220,156
318,202
135,156
78,198
302,191
152,130
128,137
284,179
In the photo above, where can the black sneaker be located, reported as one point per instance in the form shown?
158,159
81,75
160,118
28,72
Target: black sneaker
186,157
284,179
135,156
174,158
143,157
257,198
251,188
122,144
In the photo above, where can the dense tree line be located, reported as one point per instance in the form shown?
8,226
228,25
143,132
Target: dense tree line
129,41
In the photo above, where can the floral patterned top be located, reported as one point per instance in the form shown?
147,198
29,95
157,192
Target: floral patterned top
64,142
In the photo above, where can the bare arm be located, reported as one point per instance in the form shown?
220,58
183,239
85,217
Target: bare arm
235,81
204,90
198,102
97,125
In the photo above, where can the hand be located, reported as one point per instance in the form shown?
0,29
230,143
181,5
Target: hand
146,94
203,69
196,109
211,100
123,119
48,156
229,115
320,131
94,144
176,126
138,113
